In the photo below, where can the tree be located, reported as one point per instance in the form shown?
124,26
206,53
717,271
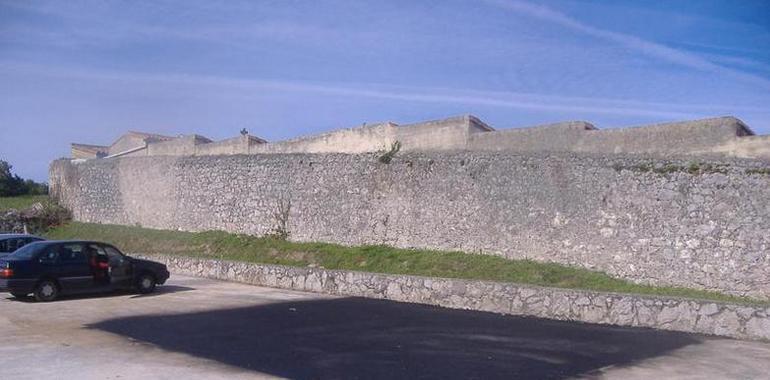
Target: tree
13,185
10,184
5,170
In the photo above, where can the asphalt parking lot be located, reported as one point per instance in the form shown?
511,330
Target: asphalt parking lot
199,328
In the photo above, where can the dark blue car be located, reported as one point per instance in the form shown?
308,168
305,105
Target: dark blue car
12,242
48,269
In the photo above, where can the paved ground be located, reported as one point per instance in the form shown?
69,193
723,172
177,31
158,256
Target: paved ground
197,328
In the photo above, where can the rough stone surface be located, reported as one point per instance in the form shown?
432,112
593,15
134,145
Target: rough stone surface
662,222
11,221
34,219
697,316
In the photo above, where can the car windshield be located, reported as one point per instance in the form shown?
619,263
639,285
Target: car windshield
28,251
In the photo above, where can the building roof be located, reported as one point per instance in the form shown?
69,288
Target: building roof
201,139
475,120
722,121
257,139
88,148
146,135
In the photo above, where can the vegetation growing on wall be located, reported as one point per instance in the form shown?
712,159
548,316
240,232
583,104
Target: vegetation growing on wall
759,171
694,168
281,218
387,157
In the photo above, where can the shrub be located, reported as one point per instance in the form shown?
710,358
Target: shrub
44,215
386,157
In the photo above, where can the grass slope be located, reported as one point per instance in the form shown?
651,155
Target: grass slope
380,259
21,202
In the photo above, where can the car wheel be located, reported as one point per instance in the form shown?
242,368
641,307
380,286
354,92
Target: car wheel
46,291
19,295
146,283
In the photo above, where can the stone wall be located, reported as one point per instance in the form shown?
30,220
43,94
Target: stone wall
453,133
447,134
720,136
561,137
699,137
243,144
196,145
695,316
724,136
180,146
747,146
370,138
669,138
671,222
126,142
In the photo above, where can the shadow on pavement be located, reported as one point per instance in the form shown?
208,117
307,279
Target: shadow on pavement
364,338
162,290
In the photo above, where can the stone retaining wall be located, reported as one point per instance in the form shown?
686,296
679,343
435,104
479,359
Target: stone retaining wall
695,316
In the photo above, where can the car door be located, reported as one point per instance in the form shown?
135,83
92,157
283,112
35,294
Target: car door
74,272
48,262
121,269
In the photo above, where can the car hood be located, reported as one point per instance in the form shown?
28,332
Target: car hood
147,263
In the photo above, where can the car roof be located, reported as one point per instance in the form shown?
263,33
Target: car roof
51,242
13,236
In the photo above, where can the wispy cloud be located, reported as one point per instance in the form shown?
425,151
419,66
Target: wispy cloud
502,99
640,45
99,28
717,47
745,63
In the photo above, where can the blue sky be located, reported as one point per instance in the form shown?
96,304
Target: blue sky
88,71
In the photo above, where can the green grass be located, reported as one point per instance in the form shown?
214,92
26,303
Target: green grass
21,202
371,258
761,171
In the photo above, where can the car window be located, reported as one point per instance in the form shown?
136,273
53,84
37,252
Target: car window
9,245
72,253
14,244
28,251
96,250
115,256
18,243
48,256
